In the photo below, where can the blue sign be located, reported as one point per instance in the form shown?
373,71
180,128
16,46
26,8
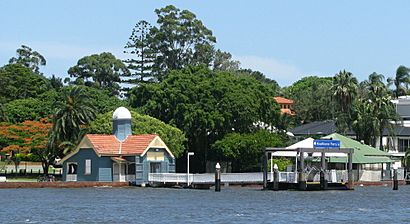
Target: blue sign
326,144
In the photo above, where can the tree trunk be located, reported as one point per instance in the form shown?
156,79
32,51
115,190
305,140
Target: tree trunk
381,139
45,165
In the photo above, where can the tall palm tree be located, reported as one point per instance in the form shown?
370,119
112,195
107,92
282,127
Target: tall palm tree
75,111
400,81
380,110
344,90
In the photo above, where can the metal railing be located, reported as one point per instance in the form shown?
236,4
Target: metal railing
205,178
332,176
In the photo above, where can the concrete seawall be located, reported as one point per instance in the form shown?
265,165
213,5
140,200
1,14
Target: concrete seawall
60,184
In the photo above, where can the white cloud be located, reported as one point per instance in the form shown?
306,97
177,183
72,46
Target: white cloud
284,73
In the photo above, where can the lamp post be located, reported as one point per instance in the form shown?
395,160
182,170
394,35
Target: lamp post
187,171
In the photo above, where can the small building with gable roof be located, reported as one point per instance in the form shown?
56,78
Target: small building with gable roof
118,157
286,105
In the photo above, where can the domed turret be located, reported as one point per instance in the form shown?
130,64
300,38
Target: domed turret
121,123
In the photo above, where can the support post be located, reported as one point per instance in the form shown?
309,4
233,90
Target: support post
271,167
217,177
275,177
350,170
188,182
301,174
265,170
323,181
395,181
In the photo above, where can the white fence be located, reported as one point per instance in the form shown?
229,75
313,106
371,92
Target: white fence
205,178
332,176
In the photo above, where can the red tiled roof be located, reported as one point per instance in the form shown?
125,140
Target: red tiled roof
109,144
282,100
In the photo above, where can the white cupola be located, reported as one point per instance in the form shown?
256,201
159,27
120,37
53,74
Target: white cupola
121,123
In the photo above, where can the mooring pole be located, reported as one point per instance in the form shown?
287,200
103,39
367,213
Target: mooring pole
350,169
275,177
265,171
323,181
395,181
301,176
217,177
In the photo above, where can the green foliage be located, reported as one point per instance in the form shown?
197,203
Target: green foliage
400,81
206,105
27,109
180,40
223,62
74,111
282,163
344,91
56,82
101,99
261,78
19,82
139,44
310,95
373,111
245,150
28,58
100,71
143,124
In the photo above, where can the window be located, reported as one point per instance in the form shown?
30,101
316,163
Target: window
404,144
87,166
72,168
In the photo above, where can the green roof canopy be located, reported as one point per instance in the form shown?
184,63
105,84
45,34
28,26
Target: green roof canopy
363,154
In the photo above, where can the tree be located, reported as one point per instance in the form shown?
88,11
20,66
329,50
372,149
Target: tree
143,124
206,105
100,71
245,150
400,81
23,138
374,111
28,109
179,40
310,95
28,58
56,82
223,62
260,77
70,115
344,90
139,44
18,82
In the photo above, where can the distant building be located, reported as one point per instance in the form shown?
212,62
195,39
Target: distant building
286,105
118,157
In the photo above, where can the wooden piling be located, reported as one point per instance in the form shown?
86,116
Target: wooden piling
217,178
275,178
323,181
301,174
350,170
395,181
265,170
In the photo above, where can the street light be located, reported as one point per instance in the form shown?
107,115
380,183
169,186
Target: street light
187,172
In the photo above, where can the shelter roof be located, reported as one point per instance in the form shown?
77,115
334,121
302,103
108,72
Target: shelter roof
363,154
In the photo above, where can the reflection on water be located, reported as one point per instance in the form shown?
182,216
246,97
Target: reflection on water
231,205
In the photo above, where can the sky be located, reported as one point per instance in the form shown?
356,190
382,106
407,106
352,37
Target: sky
286,40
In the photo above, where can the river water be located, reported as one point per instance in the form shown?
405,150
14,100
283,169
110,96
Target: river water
231,205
